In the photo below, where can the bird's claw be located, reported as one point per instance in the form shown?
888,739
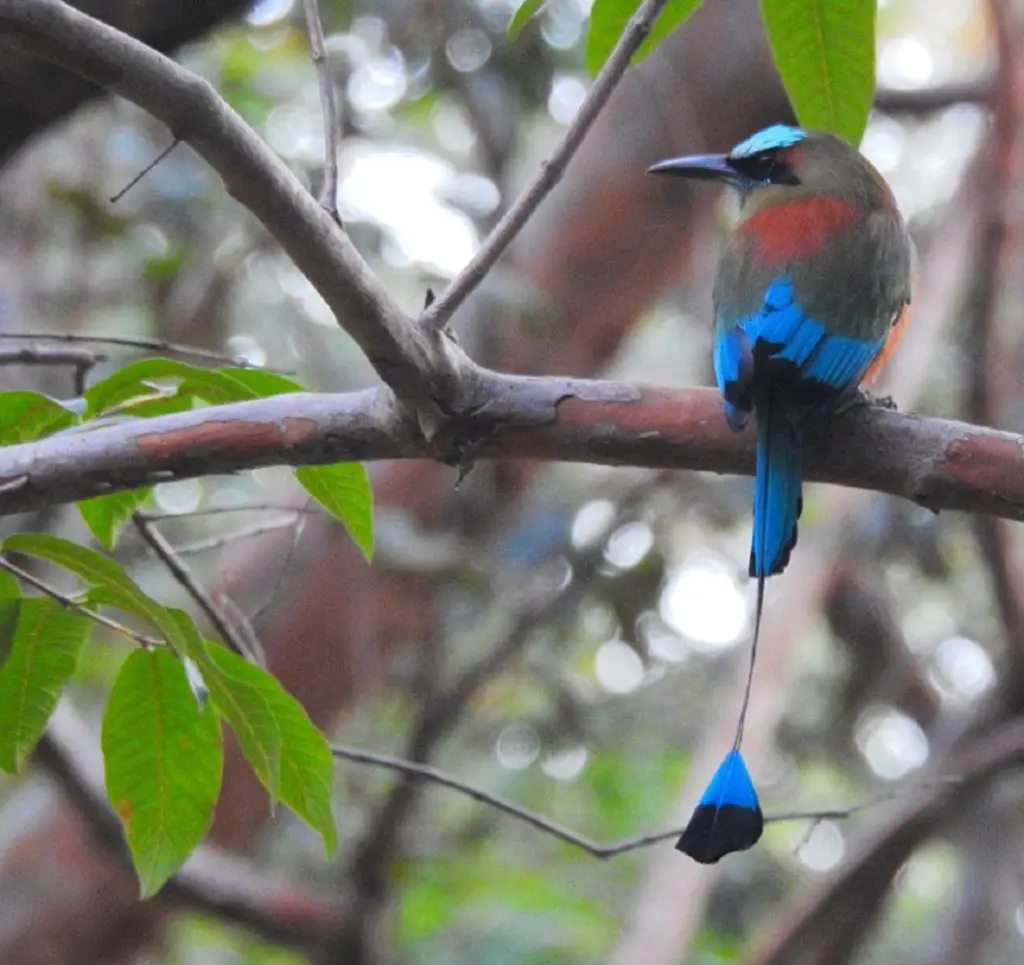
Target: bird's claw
858,396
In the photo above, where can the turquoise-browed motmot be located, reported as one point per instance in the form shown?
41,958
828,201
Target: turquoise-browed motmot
811,291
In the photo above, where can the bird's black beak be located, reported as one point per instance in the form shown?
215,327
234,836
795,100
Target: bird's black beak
707,167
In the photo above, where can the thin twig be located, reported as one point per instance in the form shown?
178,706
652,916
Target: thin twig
863,881
145,344
562,832
440,712
50,356
279,582
310,509
440,312
249,532
149,167
329,109
183,575
67,601
82,360
244,628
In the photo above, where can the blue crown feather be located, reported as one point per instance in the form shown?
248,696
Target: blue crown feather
770,139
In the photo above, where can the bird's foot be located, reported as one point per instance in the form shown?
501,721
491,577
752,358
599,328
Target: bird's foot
858,396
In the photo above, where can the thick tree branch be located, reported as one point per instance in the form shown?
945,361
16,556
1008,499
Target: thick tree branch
937,463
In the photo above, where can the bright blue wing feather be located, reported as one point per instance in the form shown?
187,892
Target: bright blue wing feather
731,348
836,361
841,361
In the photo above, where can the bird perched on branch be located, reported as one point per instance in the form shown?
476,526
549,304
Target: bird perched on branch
810,296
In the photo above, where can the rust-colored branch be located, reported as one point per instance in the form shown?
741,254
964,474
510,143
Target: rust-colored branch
938,463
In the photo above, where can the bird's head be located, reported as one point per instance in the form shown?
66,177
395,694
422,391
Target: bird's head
784,160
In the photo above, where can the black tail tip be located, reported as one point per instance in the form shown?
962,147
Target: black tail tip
715,831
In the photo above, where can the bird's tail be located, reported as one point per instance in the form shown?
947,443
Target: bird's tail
728,816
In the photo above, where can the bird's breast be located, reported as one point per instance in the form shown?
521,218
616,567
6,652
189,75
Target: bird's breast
785,231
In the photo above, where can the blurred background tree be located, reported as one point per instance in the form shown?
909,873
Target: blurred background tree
565,636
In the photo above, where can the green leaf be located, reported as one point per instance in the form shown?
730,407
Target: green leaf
163,759
343,489
290,756
25,416
608,19
237,690
43,656
147,407
106,515
10,611
166,266
245,699
522,16
136,380
307,771
94,568
825,52
263,383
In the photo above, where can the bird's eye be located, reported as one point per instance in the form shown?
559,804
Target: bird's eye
767,167
762,167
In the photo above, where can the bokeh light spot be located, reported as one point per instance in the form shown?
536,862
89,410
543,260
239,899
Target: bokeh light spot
702,602
618,668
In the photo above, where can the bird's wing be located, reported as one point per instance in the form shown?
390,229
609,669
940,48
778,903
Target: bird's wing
783,342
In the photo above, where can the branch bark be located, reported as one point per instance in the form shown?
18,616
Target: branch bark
937,463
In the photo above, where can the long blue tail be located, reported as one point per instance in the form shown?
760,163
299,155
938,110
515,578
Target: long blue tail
728,816
777,488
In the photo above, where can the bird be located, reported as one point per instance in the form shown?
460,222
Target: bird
811,294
